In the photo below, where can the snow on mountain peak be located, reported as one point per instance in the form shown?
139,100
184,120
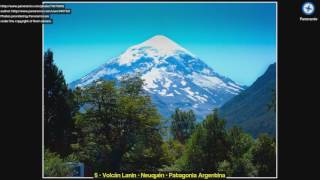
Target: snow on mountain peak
173,77
157,47
162,43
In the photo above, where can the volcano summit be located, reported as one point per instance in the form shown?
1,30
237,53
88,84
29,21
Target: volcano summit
173,77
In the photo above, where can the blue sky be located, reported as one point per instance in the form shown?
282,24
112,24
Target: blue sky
237,40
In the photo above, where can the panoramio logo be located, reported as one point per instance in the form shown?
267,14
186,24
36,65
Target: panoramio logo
308,9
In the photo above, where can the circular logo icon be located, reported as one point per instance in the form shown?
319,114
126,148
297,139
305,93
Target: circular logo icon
308,8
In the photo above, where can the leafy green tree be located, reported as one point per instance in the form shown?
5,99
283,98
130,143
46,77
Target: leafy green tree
173,150
144,156
176,148
240,142
139,124
131,85
94,126
183,124
217,144
118,128
55,166
195,156
208,145
264,156
226,167
239,163
57,108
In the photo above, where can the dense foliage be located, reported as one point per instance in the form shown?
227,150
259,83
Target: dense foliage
58,108
183,124
118,128
114,126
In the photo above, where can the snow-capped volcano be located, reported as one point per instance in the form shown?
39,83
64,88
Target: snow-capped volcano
173,76
158,47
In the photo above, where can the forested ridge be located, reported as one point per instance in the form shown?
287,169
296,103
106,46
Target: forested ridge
114,126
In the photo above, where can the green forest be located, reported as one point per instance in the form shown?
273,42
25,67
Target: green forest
114,126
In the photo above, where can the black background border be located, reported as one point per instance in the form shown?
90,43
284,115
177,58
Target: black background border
21,93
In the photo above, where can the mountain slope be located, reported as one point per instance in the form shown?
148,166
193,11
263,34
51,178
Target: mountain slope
174,77
249,109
